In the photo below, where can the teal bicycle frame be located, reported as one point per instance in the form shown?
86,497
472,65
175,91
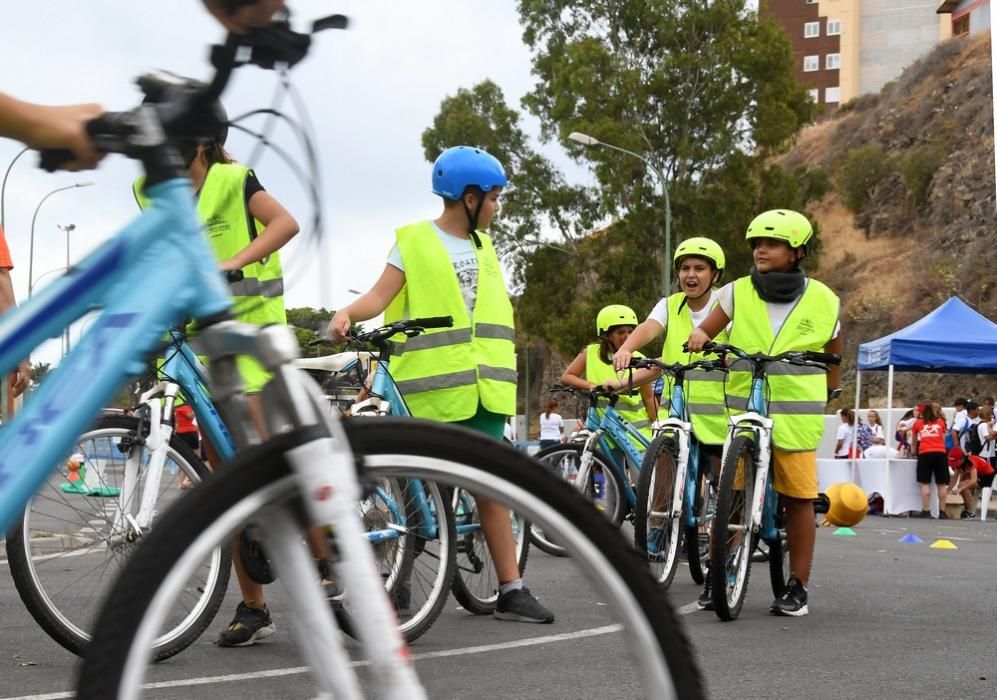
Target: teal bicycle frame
609,428
155,272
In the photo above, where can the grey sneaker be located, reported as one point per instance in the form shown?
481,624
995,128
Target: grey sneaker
249,626
793,601
520,606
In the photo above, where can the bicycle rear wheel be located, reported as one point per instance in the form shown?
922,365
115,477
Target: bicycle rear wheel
475,585
731,540
657,530
657,648
411,527
74,537
563,461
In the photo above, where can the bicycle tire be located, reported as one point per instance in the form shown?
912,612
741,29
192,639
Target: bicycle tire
49,601
697,537
730,561
779,558
665,665
615,508
404,572
660,465
475,584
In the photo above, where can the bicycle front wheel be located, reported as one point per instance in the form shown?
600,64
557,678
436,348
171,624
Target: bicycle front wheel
731,539
604,486
77,532
657,530
661,663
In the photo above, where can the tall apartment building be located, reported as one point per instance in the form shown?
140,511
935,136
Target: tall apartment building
845,48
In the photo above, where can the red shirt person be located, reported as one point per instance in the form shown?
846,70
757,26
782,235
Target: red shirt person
19,377
971,471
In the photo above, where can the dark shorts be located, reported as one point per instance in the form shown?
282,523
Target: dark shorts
933,464
192,439
712,450
986,481
544,444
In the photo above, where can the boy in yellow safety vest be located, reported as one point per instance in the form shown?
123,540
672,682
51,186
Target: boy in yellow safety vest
778,308
466,374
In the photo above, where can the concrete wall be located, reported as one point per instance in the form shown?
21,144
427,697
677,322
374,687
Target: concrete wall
893,34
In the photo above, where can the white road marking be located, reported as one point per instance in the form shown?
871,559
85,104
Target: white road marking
300,670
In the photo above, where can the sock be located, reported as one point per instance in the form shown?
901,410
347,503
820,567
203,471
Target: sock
513,585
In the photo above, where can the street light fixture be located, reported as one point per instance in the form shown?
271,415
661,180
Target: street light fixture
69,228
31,245
666,273
3,187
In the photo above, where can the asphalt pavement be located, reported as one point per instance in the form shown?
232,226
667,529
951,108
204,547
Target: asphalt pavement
888,620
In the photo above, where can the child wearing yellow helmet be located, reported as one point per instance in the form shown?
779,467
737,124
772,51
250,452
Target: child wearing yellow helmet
780,308
594,366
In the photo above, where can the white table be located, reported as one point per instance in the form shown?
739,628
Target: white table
894,479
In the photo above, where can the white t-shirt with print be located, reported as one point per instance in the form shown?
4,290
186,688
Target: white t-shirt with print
988,447
778,313
551,426
464,259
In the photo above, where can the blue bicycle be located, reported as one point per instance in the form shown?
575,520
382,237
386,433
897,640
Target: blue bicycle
676,493
102,499
748,506
403,517
600,462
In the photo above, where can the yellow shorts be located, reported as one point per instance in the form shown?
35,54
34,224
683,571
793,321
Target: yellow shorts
794,474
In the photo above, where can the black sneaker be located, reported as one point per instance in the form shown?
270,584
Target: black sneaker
793,601
923,514
705,600
249,626
942,515
520,606
761,553
966,515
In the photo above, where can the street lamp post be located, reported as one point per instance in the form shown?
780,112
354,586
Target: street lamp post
3,187
31,244
666,273
69,228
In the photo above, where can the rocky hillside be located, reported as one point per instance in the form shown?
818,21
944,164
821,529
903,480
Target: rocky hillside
909,219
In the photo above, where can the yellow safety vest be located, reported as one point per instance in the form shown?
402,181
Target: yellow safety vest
630,406
259,297
704,391
797,395
221,205
445,373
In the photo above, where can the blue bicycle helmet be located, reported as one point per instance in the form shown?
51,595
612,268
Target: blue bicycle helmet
461,166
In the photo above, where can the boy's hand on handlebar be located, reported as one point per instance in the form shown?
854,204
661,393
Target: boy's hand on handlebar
621,360
339,326
697,339
249,15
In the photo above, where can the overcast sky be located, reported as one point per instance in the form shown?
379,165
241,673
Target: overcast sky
371,91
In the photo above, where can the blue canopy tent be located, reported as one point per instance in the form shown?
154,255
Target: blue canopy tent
953,338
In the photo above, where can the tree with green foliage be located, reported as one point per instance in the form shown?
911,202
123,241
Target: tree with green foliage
705,90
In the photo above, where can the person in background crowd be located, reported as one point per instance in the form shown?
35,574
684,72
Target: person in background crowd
875,427
973,414
985,429
844,437
970,471
928,443
902,434
551,426
959,421
988,401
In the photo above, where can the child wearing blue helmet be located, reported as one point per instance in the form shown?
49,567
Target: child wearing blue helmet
465,374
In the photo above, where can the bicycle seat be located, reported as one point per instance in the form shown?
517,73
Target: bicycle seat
334,363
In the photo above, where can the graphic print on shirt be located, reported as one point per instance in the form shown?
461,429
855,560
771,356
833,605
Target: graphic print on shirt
466,267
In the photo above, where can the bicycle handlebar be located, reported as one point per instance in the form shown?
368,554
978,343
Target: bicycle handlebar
796,357
675,367
185,107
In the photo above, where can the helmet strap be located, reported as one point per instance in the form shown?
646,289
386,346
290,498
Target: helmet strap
472,220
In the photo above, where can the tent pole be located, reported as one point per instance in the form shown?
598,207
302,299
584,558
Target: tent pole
855,428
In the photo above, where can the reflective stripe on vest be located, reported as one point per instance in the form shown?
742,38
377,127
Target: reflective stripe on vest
222,206
704,391
444,373
631,408
797,395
